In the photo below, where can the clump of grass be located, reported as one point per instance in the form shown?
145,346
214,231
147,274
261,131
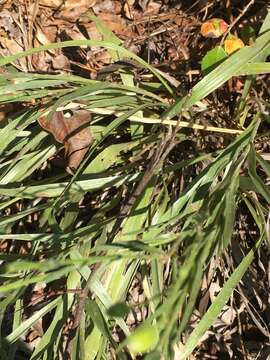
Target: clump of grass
59,231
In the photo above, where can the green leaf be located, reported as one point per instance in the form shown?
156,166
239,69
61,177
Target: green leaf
108,35
93,310
260,187
108,45
118,310
212,59
220,301
111,155
143,339
222,73
24,326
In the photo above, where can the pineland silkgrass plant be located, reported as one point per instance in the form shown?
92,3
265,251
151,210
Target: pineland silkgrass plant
84,241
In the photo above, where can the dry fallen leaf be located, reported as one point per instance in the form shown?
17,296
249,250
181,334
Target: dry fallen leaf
114,22
11,47
42,60
111,6
75,34
9,24
72,132
233,44
67,4
60,62
128,9
71,10
46,34
214,28
5,109
152,8
51,3
71,4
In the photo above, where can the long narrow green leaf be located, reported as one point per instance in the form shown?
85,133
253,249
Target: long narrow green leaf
105,44
23,327
229,68
220,301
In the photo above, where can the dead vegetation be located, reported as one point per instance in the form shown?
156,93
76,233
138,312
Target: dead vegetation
165,34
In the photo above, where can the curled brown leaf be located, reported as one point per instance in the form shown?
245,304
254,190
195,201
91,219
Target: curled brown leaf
72,132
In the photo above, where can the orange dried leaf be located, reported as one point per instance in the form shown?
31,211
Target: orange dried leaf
214,28
232,45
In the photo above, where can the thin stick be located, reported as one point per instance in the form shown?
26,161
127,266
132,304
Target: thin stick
163,149
78,312
147,120
236,21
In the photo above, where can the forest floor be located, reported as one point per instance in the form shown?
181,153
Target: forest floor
168,36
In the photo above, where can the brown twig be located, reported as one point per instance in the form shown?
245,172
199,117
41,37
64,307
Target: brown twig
162,152
79,312
236,21
148,120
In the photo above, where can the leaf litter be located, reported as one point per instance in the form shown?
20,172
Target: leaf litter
167,35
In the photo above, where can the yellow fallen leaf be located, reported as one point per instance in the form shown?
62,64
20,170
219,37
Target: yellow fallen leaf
231,45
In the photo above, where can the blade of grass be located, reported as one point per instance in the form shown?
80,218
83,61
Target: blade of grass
220,301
